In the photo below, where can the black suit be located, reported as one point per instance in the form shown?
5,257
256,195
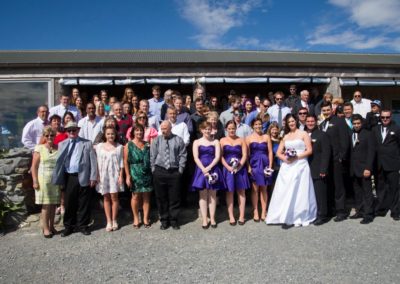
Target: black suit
372,120
319,164
337,131
297,105
388,166
362,154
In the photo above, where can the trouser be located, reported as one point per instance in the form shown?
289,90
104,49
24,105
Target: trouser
320,189
387,192
340,191
77,200
168,196
364,198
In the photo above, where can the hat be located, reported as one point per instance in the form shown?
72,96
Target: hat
376,102
71,125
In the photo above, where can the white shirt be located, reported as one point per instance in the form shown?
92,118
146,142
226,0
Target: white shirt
89,129
274,113
362,108
32,133
60,110
242,130
180,130
154,121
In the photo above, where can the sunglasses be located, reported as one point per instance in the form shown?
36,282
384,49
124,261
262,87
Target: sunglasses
385,117
279,99
358,96
302,113
141,117
72,130
266,105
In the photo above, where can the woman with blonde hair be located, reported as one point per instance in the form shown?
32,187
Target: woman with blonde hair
46,194
128,94
217,129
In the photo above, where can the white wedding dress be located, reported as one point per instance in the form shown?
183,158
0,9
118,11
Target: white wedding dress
293,199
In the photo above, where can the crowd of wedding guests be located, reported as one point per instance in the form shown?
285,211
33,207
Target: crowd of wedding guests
300,156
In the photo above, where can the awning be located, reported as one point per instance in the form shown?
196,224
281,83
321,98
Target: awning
246,80
376,82
97,82
129,81
162,80
347,82
289,80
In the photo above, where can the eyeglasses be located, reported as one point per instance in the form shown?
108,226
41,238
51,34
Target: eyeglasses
279,99
302,113
72,130
141,117
357,96
385,117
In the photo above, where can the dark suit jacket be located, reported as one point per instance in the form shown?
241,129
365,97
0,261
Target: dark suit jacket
297,105
362,154
338,137
321,152
372,120
388,151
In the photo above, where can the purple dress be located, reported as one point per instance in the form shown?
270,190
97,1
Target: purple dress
258,161
240,180
200,182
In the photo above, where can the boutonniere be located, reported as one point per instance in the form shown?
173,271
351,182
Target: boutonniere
313,140
330,125
392,133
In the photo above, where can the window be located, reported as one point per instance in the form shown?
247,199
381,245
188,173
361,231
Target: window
18,104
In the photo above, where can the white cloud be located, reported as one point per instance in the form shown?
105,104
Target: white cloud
371,24
214,19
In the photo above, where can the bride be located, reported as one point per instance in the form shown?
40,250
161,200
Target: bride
293,199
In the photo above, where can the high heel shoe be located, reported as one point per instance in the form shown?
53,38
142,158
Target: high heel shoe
241,223
49,236
206,226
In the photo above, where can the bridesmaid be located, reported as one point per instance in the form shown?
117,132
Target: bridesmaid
207,177
261,158
234,156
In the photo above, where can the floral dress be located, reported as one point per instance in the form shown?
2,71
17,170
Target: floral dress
139,167
109,164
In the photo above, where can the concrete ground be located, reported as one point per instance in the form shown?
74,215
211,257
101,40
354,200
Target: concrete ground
345,252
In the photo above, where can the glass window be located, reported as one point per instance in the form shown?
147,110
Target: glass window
18,104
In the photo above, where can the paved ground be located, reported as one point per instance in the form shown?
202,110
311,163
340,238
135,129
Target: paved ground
254,253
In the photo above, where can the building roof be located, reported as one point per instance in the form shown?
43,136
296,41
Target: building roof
71,57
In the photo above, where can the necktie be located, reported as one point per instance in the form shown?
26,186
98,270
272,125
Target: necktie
349,123
280,116
384,132
70,151
355,138
166,155
326,125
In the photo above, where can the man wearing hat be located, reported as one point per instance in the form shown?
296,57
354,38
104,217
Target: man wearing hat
76,171
373,117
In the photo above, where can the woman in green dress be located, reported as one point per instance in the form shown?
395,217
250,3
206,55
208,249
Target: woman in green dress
138,174
46,194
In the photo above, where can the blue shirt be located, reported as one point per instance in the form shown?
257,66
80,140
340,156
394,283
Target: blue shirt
251,116
74,163
155,106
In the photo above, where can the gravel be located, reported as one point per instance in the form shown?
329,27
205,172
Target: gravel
345,252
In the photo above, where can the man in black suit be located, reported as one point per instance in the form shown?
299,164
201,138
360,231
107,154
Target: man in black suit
319,163
304,102
387,140
339,139
362,153
348,110
373,117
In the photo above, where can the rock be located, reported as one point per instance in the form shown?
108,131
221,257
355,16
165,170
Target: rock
32,218
21,170
20,162
6,169
16,177
18,152
19,185
3,184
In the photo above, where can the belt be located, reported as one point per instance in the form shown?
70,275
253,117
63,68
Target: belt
73,174
170,170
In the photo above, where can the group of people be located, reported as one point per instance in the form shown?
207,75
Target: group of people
298,158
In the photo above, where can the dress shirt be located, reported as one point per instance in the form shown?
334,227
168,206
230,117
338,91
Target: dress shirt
60,110
180,130
32,133
273,112
155,106
362,108
242,130
251,116
177,153
185,117
348,122
74,162
154,120
226,116
89,129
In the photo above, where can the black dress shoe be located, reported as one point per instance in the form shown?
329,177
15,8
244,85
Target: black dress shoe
340,218
214,226
356,216
319,222
396,218
176,227
85,231
380,214
66,233
206,226
164,226
286,226
366,221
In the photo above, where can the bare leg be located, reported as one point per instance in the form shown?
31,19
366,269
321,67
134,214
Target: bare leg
264,201
146,207
107,207
45,219
229,204
242,204
254,200
135,208
212,205
115,206
52,213
203,197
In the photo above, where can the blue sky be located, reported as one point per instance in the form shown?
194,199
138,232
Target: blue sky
368,26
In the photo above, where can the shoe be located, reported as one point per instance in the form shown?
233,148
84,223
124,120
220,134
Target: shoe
380,214
164,226
319,222
396,218
136,226
85,231
54,231
115,226
241,223
256,220
109,227
366,221
340,218
286,226
356,216
206,226
49,236
214,226
66,233
232,223
146,226
176,227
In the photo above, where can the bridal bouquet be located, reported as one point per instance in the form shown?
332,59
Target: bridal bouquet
268,171
290,153
234,163
212,178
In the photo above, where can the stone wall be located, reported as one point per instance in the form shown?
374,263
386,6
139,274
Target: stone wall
16,183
